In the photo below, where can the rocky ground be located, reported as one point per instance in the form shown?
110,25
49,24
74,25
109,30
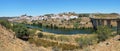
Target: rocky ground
112,44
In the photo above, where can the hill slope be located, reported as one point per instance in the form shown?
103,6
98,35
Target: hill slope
109,45
112,44
8,43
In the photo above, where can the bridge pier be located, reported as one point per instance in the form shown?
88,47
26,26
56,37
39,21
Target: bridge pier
95,23
103,22
108,23
98,22
118,27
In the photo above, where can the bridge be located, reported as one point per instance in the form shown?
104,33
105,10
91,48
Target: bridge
97,21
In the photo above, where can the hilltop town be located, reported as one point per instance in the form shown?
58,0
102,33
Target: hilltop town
65,16
63,20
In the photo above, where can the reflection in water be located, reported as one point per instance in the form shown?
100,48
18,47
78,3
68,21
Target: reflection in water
63,31
66,31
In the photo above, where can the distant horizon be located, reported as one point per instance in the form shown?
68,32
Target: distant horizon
56,13
41,7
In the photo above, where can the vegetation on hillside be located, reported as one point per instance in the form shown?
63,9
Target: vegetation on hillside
6,23
103,33
83,15
86,41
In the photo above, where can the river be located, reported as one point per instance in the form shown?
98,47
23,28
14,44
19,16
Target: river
62,31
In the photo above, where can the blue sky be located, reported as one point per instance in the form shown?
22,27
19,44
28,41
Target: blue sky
40,7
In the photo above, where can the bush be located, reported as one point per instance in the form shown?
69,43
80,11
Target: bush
103,32
76,25
32,33
21,31
40,35
84,41
6,24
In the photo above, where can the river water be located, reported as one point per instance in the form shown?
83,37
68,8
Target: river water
62,31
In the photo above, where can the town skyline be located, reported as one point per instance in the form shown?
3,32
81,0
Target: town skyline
59,13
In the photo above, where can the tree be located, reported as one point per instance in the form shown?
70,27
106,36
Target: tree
103,32
76,25
21,31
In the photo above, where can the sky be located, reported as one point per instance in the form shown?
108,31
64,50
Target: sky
41,7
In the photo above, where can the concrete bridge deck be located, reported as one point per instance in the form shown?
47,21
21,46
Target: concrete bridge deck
97,21
106,18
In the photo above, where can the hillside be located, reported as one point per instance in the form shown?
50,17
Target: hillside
8,43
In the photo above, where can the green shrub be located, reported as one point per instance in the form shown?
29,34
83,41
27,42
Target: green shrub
6,24
76,25
84,41
32,33
21,31
40,35
103,32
